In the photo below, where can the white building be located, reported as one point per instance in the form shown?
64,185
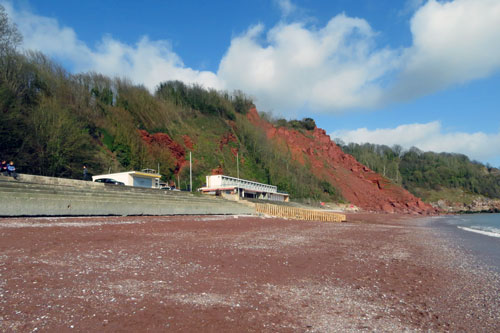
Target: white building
235,188
145,178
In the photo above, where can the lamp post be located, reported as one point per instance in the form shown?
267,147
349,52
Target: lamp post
238,171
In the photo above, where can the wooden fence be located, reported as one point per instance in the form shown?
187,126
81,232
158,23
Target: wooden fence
299,213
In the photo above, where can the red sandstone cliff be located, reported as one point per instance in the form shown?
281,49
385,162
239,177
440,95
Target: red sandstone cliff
164,141
359,185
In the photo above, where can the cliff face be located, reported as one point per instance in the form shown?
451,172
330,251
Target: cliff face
358,184
165,142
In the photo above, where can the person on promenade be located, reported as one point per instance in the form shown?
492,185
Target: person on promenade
3,168
85,173
11,170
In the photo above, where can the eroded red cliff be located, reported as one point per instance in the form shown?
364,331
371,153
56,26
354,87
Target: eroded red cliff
164,141
359,185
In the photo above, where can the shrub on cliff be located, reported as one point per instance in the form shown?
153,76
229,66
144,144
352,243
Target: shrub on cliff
305,124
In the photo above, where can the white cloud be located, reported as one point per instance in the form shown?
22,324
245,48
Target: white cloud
45,34
286,7
453,42
339,67
428,137
147,62
333,68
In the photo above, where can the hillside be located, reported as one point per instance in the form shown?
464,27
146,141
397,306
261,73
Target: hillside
358,184
55,122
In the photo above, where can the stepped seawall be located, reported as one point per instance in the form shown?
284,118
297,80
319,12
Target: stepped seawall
49,196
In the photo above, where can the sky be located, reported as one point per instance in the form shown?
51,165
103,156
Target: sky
421,73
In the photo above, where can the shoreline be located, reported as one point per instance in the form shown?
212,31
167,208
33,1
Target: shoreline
221,273
483,245
469,285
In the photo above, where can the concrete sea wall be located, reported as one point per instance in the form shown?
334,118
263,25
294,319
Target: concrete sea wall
48,196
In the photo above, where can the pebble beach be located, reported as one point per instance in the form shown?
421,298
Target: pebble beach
383,272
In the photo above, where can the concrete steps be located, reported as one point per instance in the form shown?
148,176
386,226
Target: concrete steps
158,196
30,196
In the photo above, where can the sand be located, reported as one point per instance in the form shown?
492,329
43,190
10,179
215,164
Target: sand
234,274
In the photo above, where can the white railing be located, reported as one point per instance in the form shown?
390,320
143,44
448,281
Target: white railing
227,181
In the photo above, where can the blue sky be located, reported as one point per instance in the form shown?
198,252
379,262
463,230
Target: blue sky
417,73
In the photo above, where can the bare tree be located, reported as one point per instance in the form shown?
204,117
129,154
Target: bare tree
10,37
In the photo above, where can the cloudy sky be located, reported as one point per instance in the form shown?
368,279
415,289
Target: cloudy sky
424,74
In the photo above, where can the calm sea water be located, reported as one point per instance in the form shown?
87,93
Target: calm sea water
478,233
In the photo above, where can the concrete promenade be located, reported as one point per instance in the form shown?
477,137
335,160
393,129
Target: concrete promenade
48,196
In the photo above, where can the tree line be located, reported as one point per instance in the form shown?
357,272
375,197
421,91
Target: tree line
415,169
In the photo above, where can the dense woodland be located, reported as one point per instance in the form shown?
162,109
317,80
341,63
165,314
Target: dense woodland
419,171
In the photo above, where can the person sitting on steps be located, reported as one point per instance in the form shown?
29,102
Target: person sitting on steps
3,168
11,170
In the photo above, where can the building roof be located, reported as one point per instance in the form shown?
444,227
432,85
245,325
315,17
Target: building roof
230,183
132,173
144,174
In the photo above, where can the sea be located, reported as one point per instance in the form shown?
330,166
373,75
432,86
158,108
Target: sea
478,234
